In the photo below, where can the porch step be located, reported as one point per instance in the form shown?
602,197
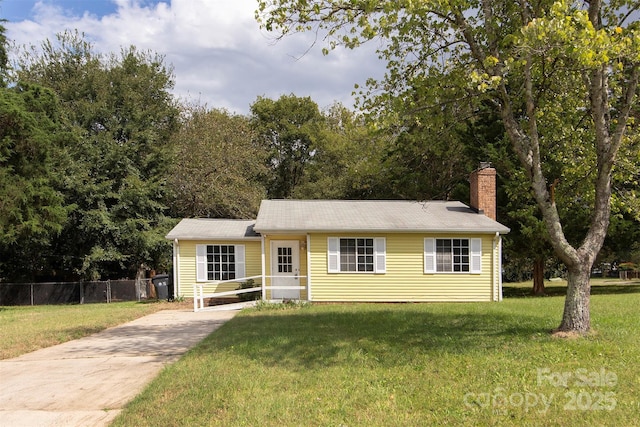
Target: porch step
230,306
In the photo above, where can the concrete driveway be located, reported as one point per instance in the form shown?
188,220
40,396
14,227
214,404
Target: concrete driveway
87,382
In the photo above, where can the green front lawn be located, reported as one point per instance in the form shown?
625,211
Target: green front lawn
406,364
27,328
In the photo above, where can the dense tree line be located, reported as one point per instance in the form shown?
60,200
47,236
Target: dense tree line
217,168
93,137
98,162
561,76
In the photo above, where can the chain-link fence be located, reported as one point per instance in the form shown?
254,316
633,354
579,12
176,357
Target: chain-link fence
75,292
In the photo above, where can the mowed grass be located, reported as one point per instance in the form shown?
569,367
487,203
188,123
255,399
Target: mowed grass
406,365
27,328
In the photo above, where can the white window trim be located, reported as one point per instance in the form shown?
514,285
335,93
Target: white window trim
201,261
475,256
379,255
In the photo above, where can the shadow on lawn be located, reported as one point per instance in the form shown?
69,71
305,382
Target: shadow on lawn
552,291
311,339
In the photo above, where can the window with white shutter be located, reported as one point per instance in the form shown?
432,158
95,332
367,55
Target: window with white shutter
220,262
452,255
356,255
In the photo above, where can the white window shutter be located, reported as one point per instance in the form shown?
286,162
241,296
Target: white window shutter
380,249
333,255
240,264
201,263
429,255
476,256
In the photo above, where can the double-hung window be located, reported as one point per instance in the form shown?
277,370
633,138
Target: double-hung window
356,255
219,262
452,255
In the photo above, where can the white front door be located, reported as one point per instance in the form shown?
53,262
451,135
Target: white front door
285,268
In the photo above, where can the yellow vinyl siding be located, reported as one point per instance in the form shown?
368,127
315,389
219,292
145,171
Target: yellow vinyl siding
302,239
404,279
187,266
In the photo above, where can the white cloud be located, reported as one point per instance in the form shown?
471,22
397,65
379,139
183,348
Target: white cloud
220,56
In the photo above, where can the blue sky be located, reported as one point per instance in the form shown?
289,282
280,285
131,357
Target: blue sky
17,10
220,56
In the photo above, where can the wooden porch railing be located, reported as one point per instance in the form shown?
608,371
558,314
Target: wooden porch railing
199,295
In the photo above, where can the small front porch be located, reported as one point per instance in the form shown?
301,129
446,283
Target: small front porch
284,268
283,289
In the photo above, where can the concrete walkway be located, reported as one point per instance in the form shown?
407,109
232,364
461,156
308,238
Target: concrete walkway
87,382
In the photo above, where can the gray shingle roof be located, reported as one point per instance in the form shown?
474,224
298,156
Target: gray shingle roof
206,229
372,216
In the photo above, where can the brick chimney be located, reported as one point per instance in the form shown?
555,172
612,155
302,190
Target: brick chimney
483,190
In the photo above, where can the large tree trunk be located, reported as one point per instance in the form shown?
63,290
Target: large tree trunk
576,317
538,277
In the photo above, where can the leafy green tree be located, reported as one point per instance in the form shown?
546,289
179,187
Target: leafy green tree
562,76
217,166
124,116
346,159
623,240
32,160
626,178
419,162
527,251
528,244
528,240
288,128
4,58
